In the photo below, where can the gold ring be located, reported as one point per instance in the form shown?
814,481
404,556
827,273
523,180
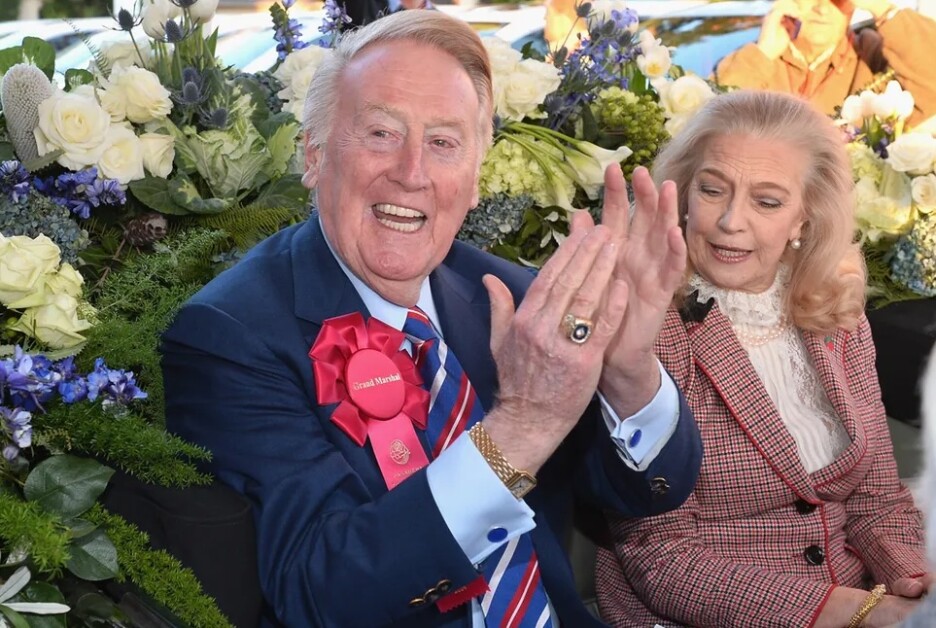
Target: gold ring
577,329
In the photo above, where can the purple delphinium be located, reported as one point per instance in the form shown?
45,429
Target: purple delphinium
14,180
112,385
288,34
80,191
105,192
335,18
17,429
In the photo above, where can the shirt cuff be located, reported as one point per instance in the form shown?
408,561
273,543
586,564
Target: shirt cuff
641,437
481,513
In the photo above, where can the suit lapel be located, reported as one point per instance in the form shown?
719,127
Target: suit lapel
725,363
825,350
464,312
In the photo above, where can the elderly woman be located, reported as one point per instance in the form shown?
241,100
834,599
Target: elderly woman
798,509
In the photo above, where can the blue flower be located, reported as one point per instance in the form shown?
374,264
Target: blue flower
14,180
17,428
335,18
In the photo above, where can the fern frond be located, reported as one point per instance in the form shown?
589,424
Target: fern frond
250,224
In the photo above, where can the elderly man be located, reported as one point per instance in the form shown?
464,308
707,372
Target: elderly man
806,47
441,505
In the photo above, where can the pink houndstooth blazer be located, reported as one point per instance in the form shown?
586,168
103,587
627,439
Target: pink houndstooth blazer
760,542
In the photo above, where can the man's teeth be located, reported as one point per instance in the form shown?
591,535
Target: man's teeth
396,210
413,219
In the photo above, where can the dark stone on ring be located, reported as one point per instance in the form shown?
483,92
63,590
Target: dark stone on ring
578,329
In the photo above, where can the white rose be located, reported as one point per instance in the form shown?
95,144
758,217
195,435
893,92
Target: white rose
886,209
24,263
924,192
155,15
528,87
648,40
676,123
56,323
203,10
158,153
74,123
125,53
893,103
655,62
122,158
137,93
504,61
306,59
913,153
66,281
684,95
298,87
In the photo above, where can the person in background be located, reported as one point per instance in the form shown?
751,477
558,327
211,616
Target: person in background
440,500
798,509
807,47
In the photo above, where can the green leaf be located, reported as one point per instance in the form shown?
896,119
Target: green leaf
80,528
75,77
39,53
154,193
67,485
14,618
93,557
43,161
95,606
286,191
10,57
43,593
282,147
276,121
184,194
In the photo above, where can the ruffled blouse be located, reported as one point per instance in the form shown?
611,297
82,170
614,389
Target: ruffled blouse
778,354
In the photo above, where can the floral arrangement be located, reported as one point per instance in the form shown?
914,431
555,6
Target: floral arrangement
560,121
124,188
895,193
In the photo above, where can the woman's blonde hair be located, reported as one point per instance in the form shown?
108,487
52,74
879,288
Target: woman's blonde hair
827,275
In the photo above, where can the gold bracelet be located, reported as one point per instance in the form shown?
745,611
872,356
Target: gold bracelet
876,595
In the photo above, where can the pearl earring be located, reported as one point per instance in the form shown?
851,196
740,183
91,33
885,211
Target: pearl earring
686,216
795,244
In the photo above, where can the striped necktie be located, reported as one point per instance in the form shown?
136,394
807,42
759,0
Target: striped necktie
516,598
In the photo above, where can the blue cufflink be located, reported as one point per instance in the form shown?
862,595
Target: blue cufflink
634,438
497,535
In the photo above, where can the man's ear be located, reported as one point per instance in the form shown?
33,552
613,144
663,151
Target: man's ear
313,159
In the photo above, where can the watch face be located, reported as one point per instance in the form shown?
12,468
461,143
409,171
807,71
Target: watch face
522,485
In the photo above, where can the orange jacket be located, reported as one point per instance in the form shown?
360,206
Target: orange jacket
907,38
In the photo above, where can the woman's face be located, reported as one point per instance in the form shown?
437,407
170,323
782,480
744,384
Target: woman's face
745,204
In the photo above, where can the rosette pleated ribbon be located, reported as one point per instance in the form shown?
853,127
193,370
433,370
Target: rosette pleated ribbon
361,367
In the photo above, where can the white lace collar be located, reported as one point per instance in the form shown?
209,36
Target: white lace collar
763,309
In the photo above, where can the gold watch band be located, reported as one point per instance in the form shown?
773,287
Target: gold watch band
518,482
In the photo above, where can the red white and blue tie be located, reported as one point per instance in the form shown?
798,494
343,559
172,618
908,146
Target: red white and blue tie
516,598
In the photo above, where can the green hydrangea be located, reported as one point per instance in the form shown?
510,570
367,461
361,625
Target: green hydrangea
865,163
626,119
510,169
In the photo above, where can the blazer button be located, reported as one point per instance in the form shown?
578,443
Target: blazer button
444,586
417,602
803,507
659,486
814,555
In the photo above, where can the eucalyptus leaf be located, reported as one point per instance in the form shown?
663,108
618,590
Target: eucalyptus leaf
80,528
43,604
13,618
93,557
67,485
154,193
14,584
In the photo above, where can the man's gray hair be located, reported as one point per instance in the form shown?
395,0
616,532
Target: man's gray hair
433,28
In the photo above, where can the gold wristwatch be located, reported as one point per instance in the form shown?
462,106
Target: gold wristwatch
518,482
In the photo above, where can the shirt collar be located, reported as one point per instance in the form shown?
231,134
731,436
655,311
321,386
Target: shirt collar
383,310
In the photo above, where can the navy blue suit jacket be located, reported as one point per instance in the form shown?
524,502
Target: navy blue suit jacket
335,548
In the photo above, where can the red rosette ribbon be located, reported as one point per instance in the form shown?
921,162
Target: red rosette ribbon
377,387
